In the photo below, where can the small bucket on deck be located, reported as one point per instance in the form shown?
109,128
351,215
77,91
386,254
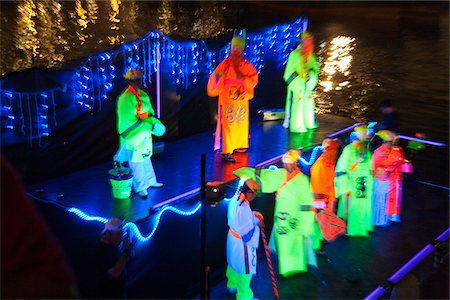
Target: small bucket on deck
121,180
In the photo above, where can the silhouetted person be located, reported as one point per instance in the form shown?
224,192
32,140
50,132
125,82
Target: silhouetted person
33,265
390,121
390,116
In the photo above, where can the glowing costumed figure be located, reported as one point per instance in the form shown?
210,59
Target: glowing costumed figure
388,160
233,80
242,241
322,181
293,217
323,172
354,182
135,125
301,76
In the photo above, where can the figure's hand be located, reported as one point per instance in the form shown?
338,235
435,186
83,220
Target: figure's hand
260,217
319,204
218,75
378,172
125,242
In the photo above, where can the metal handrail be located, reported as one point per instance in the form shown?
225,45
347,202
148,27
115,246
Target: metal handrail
411,264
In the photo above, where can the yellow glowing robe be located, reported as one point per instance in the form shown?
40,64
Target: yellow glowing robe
234,94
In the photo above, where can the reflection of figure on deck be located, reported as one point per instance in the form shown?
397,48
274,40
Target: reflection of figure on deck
301,76
135,125
293,215
388,160
242,241
354,181
233,80
301,139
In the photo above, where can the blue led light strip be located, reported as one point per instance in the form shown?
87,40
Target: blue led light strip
131,226
312,158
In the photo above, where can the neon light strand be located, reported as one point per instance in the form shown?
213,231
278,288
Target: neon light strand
87,217
131,226
312,158
422,141
238,188
269,262
186,59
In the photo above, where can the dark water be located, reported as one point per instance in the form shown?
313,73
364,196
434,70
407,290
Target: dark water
368,53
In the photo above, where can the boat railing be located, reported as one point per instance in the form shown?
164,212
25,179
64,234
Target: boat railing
392,281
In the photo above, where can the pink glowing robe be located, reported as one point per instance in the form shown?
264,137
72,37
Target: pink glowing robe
233,108
387,167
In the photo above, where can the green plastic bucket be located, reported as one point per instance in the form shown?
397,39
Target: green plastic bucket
121,180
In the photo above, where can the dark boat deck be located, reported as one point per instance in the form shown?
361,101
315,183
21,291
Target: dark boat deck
166,260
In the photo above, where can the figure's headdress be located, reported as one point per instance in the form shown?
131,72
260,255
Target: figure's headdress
133,74
329,144
361,132
238,40
291,156
387,135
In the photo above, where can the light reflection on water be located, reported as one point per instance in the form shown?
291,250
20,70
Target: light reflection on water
335,70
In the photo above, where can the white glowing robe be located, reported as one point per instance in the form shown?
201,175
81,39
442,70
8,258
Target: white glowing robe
241,256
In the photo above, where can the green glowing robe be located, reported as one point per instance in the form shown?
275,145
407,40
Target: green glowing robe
137,146
355,178
140,139
293,224
301,79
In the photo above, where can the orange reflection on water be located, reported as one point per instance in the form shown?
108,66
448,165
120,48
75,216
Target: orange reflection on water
81,13
92,9
115,10
25,38
114,19
337,64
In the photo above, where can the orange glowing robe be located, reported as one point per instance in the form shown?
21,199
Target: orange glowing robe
322,177
234,94
386,167
322,184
